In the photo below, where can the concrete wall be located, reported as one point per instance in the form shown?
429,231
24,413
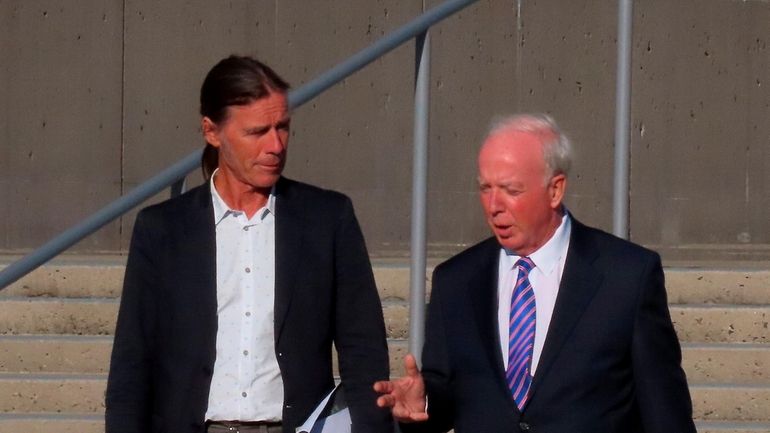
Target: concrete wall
95,97
60,118
701,161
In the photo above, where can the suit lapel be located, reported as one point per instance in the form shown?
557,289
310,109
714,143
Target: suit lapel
578,285
288,249
483,285
200,279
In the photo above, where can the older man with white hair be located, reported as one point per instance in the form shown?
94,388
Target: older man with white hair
549,326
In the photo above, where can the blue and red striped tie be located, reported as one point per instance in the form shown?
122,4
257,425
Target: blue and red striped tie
521,334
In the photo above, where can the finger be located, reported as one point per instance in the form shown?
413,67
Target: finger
410,365
383,386
418,416
386,401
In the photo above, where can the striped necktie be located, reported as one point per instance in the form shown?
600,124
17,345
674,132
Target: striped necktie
521,334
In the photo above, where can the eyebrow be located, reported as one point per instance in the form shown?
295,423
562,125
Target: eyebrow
286,121
503,184
256,129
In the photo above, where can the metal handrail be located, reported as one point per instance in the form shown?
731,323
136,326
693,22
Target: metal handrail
620,198
179,170
419,243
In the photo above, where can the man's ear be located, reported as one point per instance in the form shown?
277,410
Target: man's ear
556,188
210,132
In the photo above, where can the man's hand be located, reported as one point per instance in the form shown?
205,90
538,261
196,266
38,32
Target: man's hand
404,396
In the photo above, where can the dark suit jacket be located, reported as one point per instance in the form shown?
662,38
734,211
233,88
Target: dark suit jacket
165,341
611,359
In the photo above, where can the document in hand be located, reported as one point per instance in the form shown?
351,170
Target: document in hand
330,416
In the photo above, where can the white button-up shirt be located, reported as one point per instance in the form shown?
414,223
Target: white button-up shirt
246,384
544,278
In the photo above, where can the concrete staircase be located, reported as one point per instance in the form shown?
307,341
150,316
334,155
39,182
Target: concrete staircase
56,326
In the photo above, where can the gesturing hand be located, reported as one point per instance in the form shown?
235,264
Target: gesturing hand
404,396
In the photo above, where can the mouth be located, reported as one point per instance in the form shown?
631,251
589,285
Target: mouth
503,230
271,166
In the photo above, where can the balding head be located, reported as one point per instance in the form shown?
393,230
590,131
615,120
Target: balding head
556,147
521,208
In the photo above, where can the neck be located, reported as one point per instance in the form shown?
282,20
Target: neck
548,232
240,196
553,226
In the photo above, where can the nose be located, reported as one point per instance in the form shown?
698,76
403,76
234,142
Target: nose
493,201
276,142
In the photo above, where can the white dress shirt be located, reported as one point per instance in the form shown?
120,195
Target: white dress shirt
544,278
246,383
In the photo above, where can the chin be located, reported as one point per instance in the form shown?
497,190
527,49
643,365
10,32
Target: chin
509,244
265,181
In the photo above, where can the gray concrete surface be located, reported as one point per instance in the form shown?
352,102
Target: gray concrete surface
96,97
56,340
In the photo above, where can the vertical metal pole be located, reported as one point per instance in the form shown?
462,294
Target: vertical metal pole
419,196
622,120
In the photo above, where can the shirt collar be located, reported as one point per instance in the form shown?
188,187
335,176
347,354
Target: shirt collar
550,254
222,210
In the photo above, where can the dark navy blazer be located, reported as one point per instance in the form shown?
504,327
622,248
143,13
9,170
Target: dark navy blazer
165,341
611,359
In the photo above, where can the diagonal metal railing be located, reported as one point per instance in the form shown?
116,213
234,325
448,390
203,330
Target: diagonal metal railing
174,175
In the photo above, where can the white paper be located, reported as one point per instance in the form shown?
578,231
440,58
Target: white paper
338,422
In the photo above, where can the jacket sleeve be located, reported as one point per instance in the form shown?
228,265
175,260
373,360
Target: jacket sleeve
359,326
436,370
128,397
660,383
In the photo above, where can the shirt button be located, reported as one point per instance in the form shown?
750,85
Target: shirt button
248,313
246,228
245,352
243,394
248,270
524,426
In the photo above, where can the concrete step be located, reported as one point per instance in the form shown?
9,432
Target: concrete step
84,394
35,393
55,354
51,423
722,323
693,322
58,323
71,276
694,286
705,364
732,427
87,316
75,354
102,277
742,364
96,316
731,402
396,314
63,423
